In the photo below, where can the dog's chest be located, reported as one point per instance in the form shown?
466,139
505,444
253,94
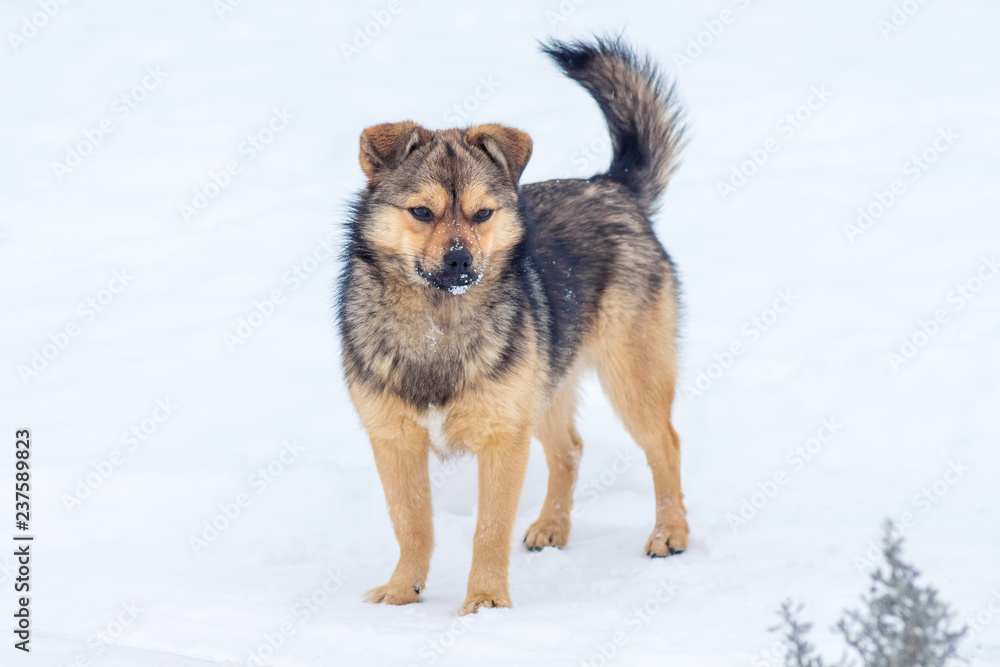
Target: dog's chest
434,422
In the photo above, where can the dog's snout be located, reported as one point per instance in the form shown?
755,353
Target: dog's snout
457,271
457,261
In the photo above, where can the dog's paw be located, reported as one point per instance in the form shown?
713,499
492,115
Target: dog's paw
665,541
547,533
475,602
392,594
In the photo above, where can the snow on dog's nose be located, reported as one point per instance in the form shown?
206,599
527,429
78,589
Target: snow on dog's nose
458,273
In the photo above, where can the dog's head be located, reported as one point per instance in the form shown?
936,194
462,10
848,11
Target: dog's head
443,203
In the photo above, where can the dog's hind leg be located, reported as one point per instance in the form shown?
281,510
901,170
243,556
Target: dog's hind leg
563,447
638,369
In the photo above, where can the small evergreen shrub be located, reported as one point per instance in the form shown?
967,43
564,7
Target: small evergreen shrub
901,623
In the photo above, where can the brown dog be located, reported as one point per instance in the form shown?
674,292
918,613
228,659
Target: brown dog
469,307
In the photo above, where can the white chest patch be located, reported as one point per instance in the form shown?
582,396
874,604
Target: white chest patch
434,423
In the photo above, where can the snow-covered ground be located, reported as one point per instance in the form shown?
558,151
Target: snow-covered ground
174,177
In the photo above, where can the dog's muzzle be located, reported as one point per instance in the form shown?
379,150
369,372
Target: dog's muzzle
457,273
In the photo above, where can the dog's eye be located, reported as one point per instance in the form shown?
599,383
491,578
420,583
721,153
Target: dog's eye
422,213
482,215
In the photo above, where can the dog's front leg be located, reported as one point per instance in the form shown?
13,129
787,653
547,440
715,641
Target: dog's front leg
402,464
503,460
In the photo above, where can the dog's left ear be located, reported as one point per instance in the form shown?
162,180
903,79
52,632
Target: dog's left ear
385,146
509,148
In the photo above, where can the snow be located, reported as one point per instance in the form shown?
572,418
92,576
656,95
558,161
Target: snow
251,111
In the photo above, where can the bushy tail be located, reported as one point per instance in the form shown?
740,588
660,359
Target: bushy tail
642,113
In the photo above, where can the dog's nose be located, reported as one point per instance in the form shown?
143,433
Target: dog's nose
457,262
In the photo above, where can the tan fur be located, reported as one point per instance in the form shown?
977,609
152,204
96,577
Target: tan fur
638,371
510,146
563,448
398,232
634,352
635,355
495,423
471,333
385,146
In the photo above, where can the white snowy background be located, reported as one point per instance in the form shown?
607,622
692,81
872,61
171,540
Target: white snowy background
116,580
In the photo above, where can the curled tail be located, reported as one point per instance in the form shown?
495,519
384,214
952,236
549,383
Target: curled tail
642,114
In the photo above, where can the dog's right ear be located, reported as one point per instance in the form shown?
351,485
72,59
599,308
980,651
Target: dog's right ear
385,146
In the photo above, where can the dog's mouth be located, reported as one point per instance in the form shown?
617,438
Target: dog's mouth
455,280
455,283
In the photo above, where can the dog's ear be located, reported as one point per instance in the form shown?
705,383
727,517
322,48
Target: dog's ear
509,148
385,146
